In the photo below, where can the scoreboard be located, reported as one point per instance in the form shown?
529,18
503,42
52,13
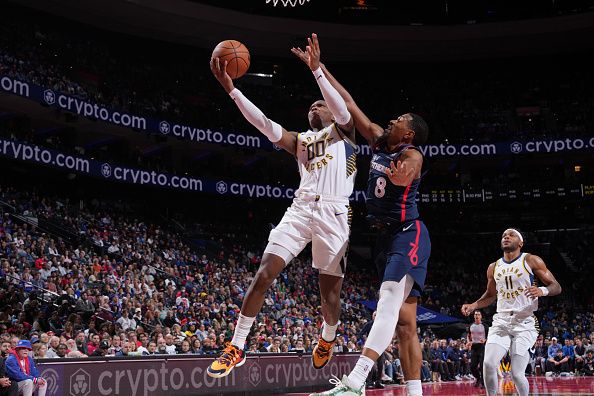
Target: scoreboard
448,195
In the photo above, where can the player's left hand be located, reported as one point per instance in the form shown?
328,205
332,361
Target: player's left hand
219,70
313,52
299,53
533,292
400,174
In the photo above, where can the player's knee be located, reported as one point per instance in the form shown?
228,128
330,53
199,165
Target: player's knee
517,377
489,365
406,331
263,280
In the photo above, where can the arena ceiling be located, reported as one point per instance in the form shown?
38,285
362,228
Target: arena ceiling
272,34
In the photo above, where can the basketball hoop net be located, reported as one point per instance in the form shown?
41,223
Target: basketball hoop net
287,3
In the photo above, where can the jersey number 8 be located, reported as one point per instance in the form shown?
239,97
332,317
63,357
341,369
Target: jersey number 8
380,187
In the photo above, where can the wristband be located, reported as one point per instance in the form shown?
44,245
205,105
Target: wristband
545,291
318,73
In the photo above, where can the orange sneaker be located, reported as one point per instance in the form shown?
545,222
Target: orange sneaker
230,357
322,353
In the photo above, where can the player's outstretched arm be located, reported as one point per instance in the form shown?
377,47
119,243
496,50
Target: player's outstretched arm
334,101
488,297
273,131
363,124
539,268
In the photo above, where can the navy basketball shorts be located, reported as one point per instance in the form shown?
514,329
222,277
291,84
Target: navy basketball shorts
404,250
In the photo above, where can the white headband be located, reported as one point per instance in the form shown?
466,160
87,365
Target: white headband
516,232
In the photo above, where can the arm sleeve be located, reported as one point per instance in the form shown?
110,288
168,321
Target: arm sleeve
334,101
254,115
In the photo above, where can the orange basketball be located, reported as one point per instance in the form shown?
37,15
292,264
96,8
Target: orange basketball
237,56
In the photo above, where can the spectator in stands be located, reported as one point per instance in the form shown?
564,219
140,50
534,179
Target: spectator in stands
558,364
84,306
540,357
7,387
454,359
101,349
81,343
22,369
124,350
553,348
93,344
169,345
580,353
569,353
52,350
125,322
39,350
589,364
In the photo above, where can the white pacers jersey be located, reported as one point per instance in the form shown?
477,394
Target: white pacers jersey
511,279
327,163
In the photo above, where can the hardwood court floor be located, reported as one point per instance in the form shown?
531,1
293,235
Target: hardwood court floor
539,386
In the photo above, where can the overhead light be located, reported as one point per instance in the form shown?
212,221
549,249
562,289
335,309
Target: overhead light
259,75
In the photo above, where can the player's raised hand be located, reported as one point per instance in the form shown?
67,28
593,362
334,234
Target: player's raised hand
400,174
299,53
313,52
219,70
467,309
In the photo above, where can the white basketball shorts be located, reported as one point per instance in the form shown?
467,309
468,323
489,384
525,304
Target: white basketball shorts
323,221
515,332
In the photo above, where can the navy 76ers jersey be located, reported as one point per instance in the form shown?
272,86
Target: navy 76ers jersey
386,201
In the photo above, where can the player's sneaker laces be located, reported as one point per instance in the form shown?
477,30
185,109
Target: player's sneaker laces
322,353
230,357
341,388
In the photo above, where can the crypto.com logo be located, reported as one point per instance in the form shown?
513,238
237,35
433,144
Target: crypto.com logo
516,147
80,383
255,374
49,96
106,170
164,127
221,187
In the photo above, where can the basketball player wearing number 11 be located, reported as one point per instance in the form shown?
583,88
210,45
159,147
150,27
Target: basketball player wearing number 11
510,281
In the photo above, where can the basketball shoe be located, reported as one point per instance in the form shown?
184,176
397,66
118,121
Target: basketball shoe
322,353
341,388
230,358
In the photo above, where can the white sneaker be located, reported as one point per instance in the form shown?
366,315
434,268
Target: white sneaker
386,377
458,377
341,388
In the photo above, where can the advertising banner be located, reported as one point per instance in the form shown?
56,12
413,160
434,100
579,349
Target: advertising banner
35,154
141,124
180,375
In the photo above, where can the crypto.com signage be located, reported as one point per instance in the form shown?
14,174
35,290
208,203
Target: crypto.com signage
186,375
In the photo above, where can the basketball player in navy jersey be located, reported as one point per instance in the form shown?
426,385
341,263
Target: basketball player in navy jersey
403,245
320,212
510,281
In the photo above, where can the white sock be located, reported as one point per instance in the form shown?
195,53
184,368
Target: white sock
359,374
413,388
242,329
329,331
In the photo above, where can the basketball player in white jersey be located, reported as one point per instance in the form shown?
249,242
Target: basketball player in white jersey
320,212
511,281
